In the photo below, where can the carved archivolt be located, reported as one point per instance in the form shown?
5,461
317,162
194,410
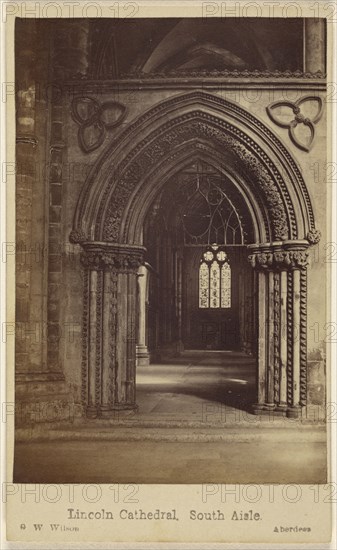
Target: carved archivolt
279,180
266,180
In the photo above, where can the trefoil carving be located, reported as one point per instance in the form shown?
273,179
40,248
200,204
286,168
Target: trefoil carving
298,119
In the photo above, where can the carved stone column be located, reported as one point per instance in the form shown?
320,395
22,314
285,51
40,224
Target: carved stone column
282,405
179,284
109,335
109,327
142,353
262,339
281,271
298,259
270,334
91,338
166,289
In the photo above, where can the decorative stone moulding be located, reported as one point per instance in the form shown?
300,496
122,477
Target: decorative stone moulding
77,236
28,139
298,119
101,256
94,119
314,236
246,73
173,134
224,73
279,259
283,255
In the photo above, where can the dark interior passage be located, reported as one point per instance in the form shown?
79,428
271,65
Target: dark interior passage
197,288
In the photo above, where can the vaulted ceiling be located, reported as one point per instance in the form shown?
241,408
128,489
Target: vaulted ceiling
167,46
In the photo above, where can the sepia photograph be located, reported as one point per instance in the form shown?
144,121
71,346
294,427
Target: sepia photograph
169,254
172,250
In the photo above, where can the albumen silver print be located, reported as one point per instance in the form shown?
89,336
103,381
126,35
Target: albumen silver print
172,259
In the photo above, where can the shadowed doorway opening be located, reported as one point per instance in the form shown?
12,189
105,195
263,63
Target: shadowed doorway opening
196,288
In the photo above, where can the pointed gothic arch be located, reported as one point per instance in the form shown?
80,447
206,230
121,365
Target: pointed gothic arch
108,224
152,144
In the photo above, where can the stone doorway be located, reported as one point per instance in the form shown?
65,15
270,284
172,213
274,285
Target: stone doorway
274,220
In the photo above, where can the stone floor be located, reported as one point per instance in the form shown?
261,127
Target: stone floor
193,425
205,386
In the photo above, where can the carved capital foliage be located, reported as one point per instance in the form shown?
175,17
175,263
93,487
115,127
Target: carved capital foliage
91,260
299,259
279,259
121,260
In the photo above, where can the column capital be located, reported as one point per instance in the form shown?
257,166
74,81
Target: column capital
279,256
106,256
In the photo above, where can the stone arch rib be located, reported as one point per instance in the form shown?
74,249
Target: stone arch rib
194,151
165,142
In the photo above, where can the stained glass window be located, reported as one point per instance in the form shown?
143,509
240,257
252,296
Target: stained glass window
203,285
225,285
214,284
214,279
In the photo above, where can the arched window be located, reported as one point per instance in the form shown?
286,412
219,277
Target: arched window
214,279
